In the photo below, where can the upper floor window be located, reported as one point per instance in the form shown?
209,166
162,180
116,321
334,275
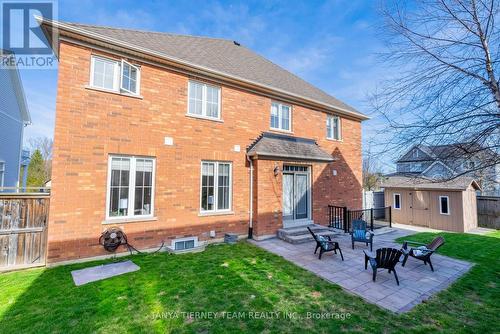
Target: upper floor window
114,75
333,127
130,187
469,165
280,116
415,153
444,205
204,100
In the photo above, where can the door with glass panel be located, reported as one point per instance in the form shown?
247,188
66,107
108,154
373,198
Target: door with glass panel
296,195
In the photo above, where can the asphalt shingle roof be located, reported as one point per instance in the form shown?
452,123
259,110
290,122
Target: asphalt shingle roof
221,55
283,146
458,183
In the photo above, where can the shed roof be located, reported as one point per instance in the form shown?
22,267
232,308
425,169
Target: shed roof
460,183
272,145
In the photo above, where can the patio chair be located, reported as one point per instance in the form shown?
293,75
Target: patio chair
423,252
325,244
384,258
360,233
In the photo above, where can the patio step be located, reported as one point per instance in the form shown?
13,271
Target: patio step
298,235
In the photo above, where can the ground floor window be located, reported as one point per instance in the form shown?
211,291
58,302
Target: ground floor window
444,205
130,186
397,201
216,186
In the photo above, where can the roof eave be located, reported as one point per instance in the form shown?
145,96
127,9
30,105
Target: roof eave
317,104
266,155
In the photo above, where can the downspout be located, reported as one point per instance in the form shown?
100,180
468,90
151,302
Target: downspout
250,223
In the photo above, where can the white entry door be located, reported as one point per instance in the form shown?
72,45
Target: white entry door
296,195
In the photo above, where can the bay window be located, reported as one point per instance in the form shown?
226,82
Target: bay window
130,187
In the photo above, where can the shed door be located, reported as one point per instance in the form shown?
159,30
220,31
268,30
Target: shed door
419,205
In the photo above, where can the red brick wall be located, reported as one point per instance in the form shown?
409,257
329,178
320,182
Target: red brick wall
91,124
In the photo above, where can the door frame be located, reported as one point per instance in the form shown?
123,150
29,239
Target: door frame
303,221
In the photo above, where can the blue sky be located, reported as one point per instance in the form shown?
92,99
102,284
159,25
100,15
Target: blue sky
332,44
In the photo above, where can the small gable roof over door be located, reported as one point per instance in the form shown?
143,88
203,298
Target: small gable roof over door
272,145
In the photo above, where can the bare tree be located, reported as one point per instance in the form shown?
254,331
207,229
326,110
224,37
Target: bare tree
372,175
446,55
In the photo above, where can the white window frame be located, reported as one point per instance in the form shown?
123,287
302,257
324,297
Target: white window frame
138,79
441,207
117,77
204,100
216,187
2,173
131,188
174,241
331,135
394,201
415,153
280,116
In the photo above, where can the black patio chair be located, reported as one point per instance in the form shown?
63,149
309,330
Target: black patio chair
424,252
325,244
384,258
360,232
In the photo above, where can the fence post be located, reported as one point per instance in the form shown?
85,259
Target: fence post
390,216
346,219
371,219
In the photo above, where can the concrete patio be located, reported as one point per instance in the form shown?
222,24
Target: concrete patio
417,281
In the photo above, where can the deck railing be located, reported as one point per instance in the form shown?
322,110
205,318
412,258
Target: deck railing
341,217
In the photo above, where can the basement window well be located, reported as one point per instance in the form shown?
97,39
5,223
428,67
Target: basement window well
183,244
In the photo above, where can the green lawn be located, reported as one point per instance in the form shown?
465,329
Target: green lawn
241,278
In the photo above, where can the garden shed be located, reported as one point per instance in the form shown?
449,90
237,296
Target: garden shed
448,205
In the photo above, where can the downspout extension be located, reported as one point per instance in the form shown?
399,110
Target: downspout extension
250,223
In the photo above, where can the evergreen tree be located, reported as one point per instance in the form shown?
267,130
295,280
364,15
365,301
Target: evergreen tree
36,170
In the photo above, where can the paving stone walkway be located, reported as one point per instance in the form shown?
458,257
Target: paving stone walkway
417,281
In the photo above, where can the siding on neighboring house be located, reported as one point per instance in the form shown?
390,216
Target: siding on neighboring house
11,127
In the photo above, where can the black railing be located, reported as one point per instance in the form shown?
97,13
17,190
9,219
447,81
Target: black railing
336,216
341,217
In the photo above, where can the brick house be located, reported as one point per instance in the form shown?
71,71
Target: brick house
181,139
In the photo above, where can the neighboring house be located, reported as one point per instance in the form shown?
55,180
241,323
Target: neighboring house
445,161
448,205
183,139
14,116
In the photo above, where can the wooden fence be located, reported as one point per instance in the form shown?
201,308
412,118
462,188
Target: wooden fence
23,229
488,211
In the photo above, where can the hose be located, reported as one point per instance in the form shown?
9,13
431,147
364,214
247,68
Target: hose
114,237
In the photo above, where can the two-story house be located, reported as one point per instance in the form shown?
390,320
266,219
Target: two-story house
14,117
445,161
182,139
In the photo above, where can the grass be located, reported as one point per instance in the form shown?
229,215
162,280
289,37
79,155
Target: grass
241,278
